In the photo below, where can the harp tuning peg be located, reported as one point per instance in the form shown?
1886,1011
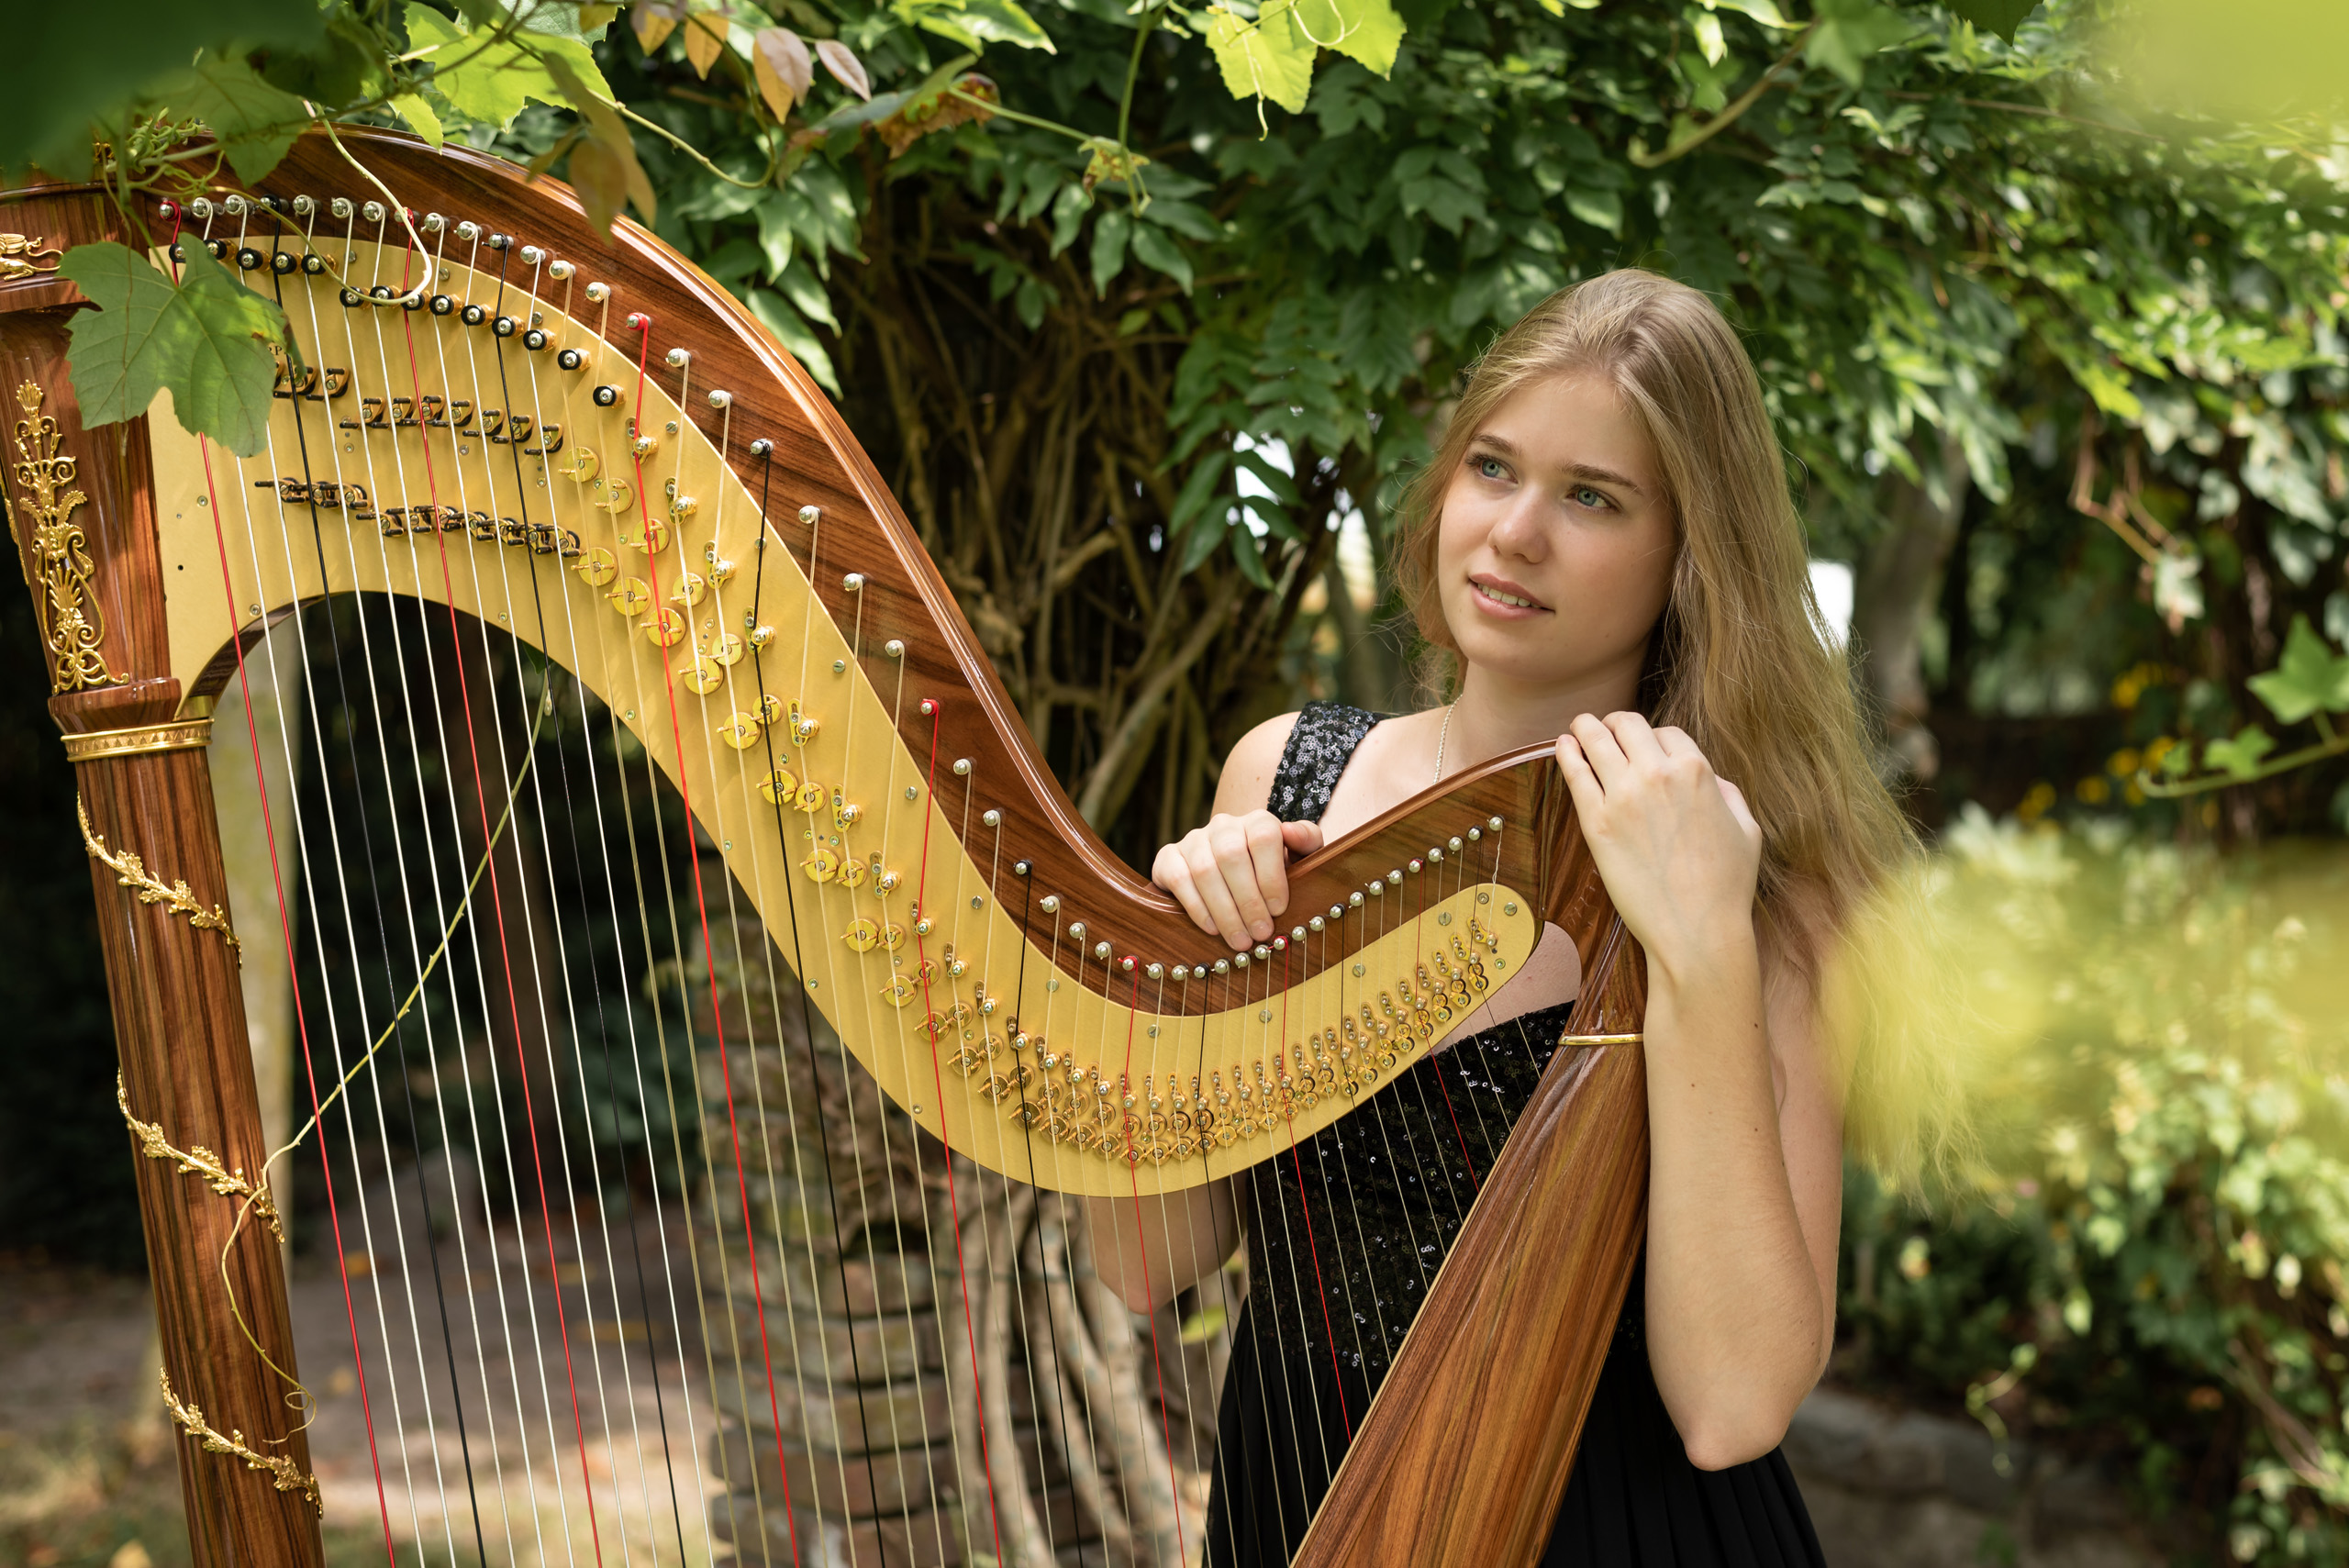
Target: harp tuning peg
532,256
962,767
598,293
677,358
762,448
433,223
807,514
561,271
721,400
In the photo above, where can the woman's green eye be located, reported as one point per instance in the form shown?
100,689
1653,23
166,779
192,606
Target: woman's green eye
1585,496
1490,468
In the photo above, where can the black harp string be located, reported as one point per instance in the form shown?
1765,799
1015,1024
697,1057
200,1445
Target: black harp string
456,997
505,557
342,882
423,1190
799,969
538,413
513,997
665,860
672,678
502,1150
630,1220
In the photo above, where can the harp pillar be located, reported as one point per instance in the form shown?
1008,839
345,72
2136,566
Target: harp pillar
81,516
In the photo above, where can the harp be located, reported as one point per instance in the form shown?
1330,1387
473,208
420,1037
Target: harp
500,419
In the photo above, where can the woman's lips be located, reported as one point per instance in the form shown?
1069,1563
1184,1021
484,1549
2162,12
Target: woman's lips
1484,590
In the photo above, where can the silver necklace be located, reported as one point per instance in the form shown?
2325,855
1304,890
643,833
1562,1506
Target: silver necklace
1441,737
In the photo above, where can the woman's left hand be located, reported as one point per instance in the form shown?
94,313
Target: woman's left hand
1674,843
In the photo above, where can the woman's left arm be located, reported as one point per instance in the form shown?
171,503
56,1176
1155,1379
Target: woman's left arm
1745,1171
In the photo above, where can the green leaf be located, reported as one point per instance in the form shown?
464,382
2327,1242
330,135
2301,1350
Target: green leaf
490,81
1250,557
1068,215
1153,247
603,167
805,292
411,107
1763,11
1109,248
1999,16
1367,30
1199,486
256,123
973,23
204,341
1851,30
2309,677
118,350
775,235
1600,209
2241,755
775,313
1269,58
81,60
222,387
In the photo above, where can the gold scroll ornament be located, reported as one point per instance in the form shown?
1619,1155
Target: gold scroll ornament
26,255
282,1472
70,621
176,897
198,1160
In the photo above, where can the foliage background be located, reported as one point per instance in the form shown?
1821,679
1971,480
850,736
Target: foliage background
1144,355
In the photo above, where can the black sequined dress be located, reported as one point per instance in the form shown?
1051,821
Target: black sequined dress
1345,1234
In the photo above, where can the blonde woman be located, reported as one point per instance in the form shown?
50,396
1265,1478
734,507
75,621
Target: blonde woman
1605,548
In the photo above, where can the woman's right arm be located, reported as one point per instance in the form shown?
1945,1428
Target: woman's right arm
1231,877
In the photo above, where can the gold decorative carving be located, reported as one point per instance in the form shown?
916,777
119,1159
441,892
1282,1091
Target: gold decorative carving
180,735
70,621
24,255
176,897
198,1161
282,1472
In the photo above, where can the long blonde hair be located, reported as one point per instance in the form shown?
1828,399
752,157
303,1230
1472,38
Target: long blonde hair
1741,660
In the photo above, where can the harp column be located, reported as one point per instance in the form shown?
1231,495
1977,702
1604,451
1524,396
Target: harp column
81,516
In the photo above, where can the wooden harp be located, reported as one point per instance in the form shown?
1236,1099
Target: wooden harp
589,445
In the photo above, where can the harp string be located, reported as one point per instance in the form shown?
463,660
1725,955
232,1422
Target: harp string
285,928
431,1045
938,1075
422,967
344,1069
564,967
456,993
807,1020
505,967
643,325
569,1184
603,1029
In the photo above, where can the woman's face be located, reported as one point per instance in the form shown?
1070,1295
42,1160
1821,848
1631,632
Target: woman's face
1555,551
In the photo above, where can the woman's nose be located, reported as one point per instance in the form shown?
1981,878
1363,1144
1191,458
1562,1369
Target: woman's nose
1517,530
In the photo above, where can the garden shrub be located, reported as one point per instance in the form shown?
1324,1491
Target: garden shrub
2144,1264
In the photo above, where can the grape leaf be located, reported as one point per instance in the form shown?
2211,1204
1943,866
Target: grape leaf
1269,58
490,79
1366,30
256,123
204,341
2309,676
1153,247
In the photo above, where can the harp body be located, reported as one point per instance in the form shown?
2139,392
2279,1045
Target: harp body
731,578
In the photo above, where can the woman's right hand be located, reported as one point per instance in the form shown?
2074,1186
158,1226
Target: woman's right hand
1232,876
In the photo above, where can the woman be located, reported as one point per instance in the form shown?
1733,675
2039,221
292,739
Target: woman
1605,548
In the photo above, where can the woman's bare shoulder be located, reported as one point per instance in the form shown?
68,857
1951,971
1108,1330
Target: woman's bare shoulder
1247,780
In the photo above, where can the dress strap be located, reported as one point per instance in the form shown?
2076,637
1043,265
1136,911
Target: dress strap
1316,753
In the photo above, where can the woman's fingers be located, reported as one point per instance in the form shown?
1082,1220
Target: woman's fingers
1268,856
1302,838
1737,808
1637,738
1169,872
1207,875
1582,783
1601,748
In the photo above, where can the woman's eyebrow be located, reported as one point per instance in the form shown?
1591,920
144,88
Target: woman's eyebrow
1509,448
